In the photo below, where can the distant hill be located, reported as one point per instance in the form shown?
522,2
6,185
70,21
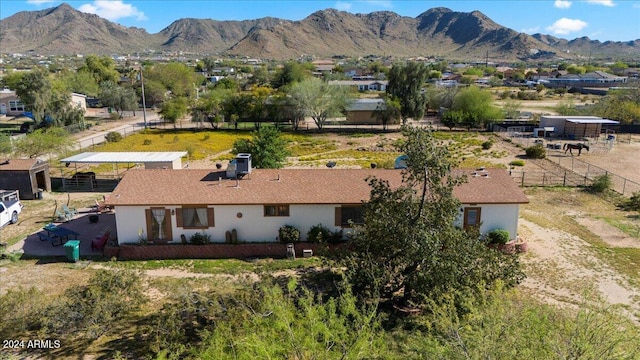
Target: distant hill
437,32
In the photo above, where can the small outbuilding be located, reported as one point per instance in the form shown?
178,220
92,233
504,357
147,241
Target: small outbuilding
29,176
575,126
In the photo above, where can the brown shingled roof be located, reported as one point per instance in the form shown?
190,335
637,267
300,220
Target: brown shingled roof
289,186
17,164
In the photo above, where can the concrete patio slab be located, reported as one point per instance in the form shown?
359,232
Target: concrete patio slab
33,247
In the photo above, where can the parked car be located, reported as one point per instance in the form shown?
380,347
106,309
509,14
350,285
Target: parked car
9,211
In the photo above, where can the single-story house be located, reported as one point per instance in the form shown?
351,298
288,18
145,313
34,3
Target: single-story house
362,85
362,111
29,176
10,103
575,127
166,204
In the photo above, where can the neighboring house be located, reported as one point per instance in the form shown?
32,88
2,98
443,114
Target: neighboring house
10,103
165,204
593,79
575,127
362,111
362,85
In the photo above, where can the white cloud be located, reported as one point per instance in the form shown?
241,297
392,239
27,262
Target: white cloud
343,6
562,4
39,2
565,26
112,10
608,3
532,30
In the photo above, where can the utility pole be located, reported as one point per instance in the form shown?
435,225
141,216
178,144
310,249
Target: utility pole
144,105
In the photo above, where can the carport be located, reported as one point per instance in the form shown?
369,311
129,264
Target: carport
81,178
577,128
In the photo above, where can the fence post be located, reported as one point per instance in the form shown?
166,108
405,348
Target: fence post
544,175
624,185
522,183
564,179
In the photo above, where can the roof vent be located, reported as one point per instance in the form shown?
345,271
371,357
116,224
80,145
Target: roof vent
481,169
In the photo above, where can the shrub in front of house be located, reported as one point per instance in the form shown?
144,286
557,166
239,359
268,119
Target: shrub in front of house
289,234
320,234
113,136
517,163
536,152
200,239
498,237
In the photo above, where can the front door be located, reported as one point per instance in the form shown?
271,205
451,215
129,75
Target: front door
471,217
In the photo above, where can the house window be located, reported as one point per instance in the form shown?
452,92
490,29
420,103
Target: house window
16,105
158,224
276,210
471,216
194,217
348,214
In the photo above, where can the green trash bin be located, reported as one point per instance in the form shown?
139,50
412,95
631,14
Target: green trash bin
72,248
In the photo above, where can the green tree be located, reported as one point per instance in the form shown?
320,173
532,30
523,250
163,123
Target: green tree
173,110
77,82
267,148
511,109
208,108
290,73
317,99
101,68
477,106
405,83
54,140
117,97
35,91
409,249
388,112
11,80
177,78
452,118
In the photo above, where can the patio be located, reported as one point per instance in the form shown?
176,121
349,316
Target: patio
32,246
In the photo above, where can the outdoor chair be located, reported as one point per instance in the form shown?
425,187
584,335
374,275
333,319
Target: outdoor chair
62,216
69,211
101,240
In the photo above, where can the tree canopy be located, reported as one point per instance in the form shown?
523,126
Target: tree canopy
317,99
409,248
267,148
405,83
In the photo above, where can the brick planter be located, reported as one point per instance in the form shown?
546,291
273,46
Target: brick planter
508,248
111,251
215,251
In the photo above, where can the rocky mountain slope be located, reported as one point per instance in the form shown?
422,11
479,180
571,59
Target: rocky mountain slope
437,32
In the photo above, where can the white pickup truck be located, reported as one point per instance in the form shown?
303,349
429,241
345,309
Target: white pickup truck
9,211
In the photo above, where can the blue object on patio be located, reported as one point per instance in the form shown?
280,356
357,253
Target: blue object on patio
72,249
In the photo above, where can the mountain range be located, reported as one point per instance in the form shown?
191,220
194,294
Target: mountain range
438,32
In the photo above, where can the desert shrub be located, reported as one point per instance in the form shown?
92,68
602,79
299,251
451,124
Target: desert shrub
321,234
601,183
18,311
114,116
113,136
517,163
92,310
146,142
634,202
289,234
498,236
200,239
536,152
487,145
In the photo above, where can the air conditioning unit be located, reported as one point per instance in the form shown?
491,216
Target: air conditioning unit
243,164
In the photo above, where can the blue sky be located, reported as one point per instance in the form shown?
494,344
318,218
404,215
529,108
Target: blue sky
616,20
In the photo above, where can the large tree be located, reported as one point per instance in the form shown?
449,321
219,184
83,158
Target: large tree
44,141
477,106
174,109
409,249
388,112
117,97
405,83
101,68
290,73
267,148
317,99
208,107
35,92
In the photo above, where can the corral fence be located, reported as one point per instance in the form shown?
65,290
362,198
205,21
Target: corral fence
589,171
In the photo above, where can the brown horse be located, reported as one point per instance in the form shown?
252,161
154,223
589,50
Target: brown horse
570,147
